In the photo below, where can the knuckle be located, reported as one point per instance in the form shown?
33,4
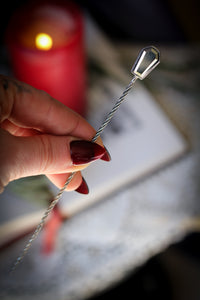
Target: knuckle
46,153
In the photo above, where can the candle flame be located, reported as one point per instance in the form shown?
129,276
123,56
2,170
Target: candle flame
43,41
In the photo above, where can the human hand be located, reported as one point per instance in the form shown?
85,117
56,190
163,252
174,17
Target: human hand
40,135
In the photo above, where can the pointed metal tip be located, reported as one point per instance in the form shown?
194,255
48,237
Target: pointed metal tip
147,60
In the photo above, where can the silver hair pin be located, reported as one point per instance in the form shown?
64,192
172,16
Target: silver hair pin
147,60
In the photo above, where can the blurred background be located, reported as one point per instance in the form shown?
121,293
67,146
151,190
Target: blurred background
167,21
173,26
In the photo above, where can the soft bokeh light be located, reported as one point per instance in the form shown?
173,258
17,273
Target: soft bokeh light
43,41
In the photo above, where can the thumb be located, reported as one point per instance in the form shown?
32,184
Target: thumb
33,155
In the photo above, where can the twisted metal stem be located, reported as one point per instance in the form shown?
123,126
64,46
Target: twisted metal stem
61,191
114,109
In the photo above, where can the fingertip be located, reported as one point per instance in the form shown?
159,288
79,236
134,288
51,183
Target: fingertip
60,179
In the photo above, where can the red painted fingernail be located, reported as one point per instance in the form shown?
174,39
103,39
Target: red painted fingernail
106,156
83,152
83,187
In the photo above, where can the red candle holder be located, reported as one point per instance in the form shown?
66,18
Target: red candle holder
46,45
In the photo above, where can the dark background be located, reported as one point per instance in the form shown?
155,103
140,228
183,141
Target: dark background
175,273
171,275
164,21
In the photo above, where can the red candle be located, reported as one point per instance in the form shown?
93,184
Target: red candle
46,46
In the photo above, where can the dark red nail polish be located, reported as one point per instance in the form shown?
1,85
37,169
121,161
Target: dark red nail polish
106,156
83,187
83,152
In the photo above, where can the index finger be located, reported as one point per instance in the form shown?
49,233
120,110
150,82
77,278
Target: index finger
28,107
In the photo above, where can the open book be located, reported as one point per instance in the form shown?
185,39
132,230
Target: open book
140,139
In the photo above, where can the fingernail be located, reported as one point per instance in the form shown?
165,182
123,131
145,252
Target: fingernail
106,156
83,152
83,187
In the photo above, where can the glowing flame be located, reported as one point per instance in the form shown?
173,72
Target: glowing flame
43,41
